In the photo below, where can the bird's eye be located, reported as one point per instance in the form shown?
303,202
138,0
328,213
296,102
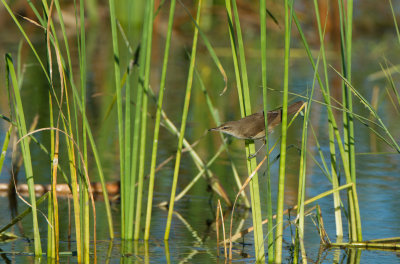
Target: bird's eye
225,127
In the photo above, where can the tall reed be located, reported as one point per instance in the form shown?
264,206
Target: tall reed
348,126
25,149
146,81
160,100
135,215
332,148
263,48
346,46
282,160
121,138
84,197
300,231
185,112
245,110
129,180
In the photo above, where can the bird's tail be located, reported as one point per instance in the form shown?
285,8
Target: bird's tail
293,108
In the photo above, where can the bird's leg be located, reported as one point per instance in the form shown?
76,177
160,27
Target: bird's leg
255,154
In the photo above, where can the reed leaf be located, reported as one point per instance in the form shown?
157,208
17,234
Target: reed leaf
5,147
21,125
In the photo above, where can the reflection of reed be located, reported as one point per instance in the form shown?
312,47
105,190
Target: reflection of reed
199,242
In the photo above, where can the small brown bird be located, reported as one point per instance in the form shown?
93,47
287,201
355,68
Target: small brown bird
253,126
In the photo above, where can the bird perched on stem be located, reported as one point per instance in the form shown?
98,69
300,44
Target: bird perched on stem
253,126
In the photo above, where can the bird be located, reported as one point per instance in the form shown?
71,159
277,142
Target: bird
252,127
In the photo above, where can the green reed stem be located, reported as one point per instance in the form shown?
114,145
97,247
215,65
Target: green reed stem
134,156
53,242
82,55
146,88
160,100
121,139
348,123
129,209
348,130
282,160
189,85
245,108
83,191
263,48
21,124
127,187
332,148
74,184
51,245
302,183
235,57
137,131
